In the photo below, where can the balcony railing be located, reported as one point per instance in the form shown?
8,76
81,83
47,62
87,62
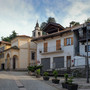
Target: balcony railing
83,38
52,49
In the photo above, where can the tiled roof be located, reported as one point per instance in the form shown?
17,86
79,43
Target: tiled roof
55,24
68,29
13,47
52,35
23,36
4,42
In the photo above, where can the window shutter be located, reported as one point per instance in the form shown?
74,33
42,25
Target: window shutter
45,47
65,41
71,40
58,44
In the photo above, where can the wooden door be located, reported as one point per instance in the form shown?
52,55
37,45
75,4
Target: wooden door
68,61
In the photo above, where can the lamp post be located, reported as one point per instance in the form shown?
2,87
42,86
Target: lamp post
87,62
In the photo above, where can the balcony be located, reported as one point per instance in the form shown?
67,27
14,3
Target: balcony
83,39
51,50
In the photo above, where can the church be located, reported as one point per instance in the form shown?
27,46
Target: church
20,53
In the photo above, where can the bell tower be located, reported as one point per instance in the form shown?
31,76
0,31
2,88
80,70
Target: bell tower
37,32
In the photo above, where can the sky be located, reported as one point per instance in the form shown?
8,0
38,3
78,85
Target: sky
22,15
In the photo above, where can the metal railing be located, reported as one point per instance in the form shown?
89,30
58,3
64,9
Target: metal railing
51,49
84,37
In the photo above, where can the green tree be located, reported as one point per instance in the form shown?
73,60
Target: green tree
73,23
43,24
88,20
10,37
51,20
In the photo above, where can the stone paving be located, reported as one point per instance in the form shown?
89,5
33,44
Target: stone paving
21,81
10,80
80,81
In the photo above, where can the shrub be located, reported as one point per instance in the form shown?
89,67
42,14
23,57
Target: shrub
55,73
39,66
38,71
31,68
45,73
66,77
70,80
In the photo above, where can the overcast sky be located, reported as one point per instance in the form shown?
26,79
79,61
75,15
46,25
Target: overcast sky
21,15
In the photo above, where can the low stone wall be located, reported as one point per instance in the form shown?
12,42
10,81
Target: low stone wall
74,71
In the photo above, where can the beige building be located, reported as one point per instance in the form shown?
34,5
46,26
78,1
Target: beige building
21,53
3,46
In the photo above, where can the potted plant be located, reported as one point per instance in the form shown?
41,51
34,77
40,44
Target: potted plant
56,81
38,73
64,84
70,85
31,70
46,77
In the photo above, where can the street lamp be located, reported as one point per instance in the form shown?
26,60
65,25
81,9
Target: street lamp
87,63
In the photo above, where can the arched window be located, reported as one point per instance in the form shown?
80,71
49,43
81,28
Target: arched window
38,33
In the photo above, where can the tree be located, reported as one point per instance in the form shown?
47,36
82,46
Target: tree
76,23
73,23
88,20
43,24
51,20
10,37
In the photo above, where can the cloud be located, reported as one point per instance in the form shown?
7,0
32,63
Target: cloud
17,15
21,15
77,11
49,13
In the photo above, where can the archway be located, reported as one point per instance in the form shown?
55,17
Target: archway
15,58
8,61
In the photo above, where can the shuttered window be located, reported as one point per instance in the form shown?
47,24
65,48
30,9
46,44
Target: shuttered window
88,48
71,40
68,41
65,42
45,47
58,44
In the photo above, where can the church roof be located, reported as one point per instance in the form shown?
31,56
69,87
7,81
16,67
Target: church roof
4,42
13,47
37,24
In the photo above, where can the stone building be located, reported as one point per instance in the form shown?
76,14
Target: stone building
21,53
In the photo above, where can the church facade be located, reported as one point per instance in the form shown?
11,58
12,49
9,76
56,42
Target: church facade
21,52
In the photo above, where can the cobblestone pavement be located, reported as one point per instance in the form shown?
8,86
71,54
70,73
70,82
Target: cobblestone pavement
10,80
80,81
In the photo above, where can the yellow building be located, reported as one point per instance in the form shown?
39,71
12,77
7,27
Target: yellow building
3,46
21,53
